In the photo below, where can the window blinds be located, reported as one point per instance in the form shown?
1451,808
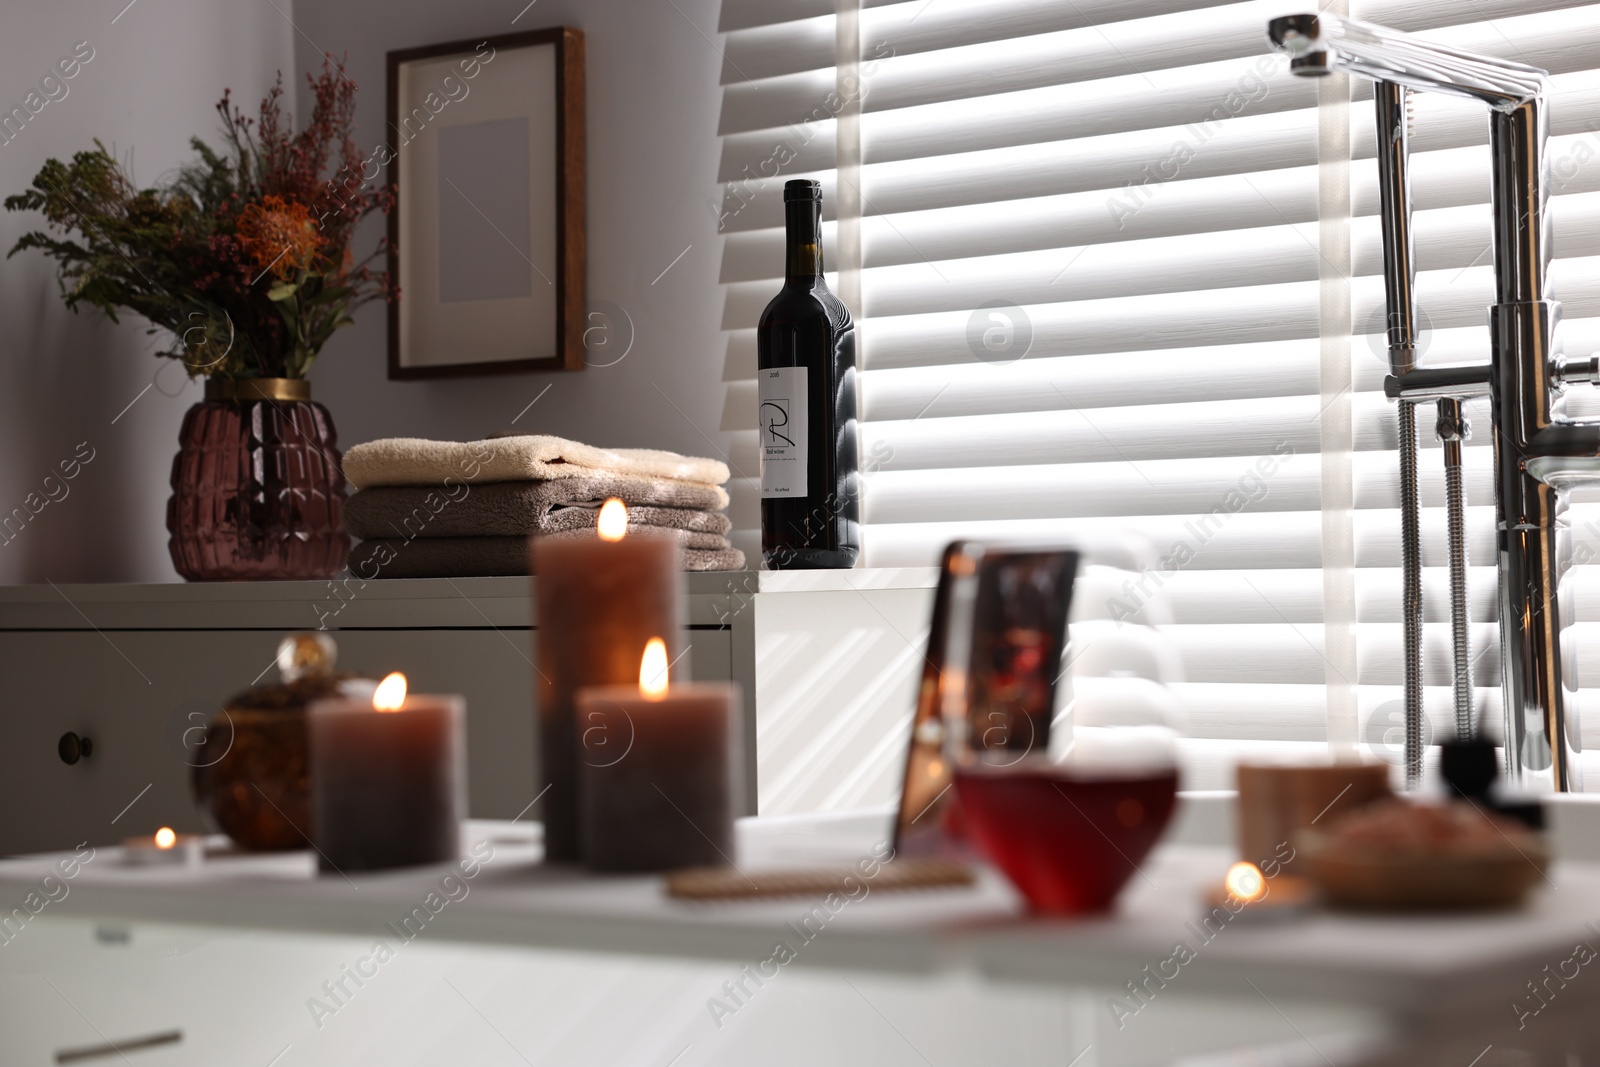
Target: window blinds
1089,271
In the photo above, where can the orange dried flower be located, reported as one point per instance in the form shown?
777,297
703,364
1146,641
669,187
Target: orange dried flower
279,235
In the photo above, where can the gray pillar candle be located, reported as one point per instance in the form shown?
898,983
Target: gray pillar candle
388,779
658,775
597,603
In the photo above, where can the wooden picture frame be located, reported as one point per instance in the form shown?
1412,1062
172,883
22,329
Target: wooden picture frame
451,107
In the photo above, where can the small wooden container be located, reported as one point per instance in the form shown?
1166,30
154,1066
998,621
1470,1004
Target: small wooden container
1278,801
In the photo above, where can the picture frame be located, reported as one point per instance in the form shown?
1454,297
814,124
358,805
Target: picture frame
486,239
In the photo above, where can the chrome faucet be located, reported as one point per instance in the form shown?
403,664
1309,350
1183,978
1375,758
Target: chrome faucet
1538,452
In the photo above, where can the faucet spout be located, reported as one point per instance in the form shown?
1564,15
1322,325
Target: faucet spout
1321,44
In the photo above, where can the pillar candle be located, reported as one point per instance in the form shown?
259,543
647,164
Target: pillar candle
597,604
388,778
658,770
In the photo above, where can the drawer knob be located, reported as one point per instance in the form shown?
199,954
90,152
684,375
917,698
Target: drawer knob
71,748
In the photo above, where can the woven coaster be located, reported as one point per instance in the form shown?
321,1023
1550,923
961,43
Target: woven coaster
727,883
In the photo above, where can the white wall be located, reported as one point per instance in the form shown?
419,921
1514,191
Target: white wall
653,101
155,74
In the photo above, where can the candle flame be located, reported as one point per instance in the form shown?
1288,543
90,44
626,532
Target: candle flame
390,694
653,670
613,521
165,838
1244,882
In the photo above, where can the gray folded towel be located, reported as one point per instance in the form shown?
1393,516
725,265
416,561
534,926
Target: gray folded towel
708,542
519,508
585,517
477,557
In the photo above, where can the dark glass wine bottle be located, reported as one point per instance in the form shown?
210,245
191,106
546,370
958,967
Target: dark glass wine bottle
806,355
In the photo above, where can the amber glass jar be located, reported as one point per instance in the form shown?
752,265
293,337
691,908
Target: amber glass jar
252,772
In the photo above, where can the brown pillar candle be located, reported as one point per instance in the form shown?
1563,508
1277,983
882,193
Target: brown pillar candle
388,778
598,602
658,771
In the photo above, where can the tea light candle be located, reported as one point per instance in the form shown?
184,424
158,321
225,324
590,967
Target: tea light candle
657,771
164,847
1251,895
597,604
388,780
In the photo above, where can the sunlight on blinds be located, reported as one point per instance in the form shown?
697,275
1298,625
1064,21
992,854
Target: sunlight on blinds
1093,300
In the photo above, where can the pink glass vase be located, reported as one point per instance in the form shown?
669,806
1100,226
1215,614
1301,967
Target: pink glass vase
257,490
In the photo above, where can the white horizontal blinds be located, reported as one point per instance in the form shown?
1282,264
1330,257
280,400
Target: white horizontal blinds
1174,358
1342,673
1174,328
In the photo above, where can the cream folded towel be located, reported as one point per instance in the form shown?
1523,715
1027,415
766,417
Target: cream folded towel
536,457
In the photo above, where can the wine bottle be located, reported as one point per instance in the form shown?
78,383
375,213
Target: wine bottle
806,360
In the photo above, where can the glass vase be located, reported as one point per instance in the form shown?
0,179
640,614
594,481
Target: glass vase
257,489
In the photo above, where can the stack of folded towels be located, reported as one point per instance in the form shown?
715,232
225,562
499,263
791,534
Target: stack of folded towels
452,509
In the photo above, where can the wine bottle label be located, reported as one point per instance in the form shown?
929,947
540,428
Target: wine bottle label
782,420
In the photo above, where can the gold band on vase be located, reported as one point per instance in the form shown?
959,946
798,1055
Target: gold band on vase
258,389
